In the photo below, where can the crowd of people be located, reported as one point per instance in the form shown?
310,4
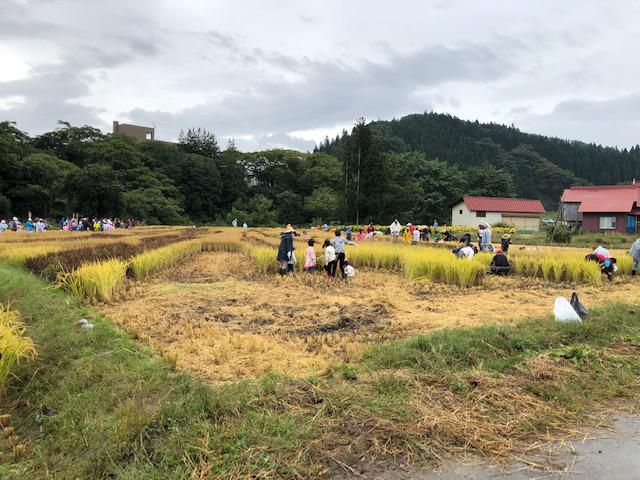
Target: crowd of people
95,224
335,253
30,225
74,223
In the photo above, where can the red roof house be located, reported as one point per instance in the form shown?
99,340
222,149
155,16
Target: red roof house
602,208
522,213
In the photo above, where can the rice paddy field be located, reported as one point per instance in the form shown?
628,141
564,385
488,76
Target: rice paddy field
209,304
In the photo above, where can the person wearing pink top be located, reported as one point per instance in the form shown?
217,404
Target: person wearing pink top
310,257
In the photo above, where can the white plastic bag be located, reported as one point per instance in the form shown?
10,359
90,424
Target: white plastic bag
564,312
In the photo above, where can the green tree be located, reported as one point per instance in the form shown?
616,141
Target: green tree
322,204
151,205
487,180
258,210
200,142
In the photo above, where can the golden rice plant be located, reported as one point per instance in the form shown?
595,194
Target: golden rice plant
96,281
153,261
14,345
223,246
376,255
265,259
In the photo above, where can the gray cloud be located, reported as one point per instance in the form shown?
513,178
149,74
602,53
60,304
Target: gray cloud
294,70
614,121
330,93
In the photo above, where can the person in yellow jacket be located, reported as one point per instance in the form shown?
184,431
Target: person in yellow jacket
407,236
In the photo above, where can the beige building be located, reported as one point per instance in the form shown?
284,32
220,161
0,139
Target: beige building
522,213
135,131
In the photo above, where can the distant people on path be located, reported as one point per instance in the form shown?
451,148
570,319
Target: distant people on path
325,228
394,229
505,242
500,264
635,255
234,222
339,242
310,257
348,233
286,255
329,258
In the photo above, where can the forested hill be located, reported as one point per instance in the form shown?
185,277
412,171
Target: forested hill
541,167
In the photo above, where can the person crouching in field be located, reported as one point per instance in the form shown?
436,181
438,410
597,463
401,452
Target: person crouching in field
349,271
500,264
329,258
310,257
635,255
465,251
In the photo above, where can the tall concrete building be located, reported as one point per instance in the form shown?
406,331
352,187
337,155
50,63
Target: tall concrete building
135,131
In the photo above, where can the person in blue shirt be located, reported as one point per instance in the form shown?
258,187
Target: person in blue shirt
339,243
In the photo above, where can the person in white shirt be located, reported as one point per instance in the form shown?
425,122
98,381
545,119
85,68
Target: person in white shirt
416,236
602,251
330,258
349,271
466,252
394,229
40,225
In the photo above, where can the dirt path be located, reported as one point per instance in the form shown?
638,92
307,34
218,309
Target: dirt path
610,454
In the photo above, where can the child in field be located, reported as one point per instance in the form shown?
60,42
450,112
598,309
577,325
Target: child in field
329,258
349,271
310,257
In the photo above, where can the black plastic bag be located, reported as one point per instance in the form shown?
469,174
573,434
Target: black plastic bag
578,307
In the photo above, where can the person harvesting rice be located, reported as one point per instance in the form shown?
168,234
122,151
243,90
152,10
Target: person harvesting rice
635,255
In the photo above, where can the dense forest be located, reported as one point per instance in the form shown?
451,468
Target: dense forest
413,168
539,167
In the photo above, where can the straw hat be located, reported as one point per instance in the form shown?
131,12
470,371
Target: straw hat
506,236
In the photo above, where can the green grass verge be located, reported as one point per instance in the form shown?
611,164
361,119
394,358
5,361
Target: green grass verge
97,404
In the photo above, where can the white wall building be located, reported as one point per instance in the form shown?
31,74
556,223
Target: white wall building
522,213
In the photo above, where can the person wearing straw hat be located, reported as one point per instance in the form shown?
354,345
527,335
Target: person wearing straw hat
286,257
484,237
505,242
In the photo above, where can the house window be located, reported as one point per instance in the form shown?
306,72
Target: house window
607,223
481,214
460,212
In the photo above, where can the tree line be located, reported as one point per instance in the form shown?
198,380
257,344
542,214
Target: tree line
413,168
539,167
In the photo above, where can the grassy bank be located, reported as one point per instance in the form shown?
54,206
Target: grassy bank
97,404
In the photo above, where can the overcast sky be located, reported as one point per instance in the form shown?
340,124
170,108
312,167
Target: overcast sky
288,72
